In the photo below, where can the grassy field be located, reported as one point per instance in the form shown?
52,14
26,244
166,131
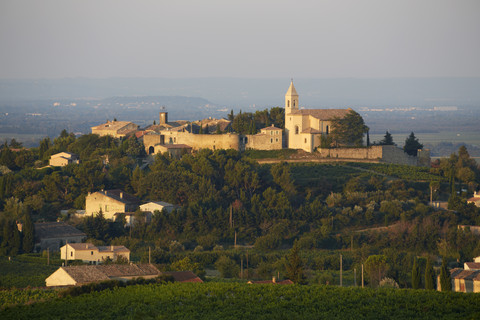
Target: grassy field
244,301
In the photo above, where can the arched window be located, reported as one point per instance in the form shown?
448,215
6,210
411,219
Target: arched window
296,129
288,103
271,140
294,103
151,150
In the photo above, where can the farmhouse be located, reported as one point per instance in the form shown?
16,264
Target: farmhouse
62,159
110,202
475,199
90,253
80,275
463,280
52,235
158,205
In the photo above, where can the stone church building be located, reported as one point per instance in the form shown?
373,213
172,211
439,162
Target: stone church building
305,127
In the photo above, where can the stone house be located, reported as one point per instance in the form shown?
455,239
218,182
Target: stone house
116,129
62,159
463,280
53,235
269,138
80,275
475,199
90,253
110,202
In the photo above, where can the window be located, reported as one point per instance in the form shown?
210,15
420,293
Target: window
246,140
305,140
276,140
71,253
91,253
296,129
294,103
288,103
271,140
326,130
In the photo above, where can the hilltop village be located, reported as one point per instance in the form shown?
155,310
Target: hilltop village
296,200
305,129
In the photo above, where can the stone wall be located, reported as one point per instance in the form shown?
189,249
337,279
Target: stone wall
389,154
196,141
263,141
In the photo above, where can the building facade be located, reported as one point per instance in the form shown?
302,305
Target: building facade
90,253
110,202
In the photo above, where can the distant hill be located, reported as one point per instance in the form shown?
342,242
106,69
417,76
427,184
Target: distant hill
244,93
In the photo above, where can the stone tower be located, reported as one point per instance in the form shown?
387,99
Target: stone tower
291,99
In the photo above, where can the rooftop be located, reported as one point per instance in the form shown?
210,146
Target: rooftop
324,114
49,230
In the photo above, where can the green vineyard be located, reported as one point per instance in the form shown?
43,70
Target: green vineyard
244,301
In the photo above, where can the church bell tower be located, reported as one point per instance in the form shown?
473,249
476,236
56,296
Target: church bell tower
291,99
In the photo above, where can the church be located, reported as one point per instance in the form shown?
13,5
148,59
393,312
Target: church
305,127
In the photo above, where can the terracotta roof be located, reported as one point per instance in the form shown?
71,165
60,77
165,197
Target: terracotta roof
92,273
183,276
115,194
473,265
324,114
49,230
473,199
287,281
311,130
458,273
112,125
113,249
85,274
272,127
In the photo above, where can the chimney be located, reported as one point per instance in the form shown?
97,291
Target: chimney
274,280
111,248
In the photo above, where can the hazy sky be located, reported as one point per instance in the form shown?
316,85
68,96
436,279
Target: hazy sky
247,38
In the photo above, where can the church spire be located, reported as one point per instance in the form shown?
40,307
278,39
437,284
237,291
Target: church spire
291,99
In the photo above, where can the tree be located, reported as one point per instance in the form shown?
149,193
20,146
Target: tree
429,276
415,275
387,140
294,267
412,145
28,231
349,130
227,267
376,267
445,279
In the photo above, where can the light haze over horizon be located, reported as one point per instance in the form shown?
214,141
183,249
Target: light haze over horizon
246,39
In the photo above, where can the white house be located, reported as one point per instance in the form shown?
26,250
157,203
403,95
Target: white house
62,159
88,252
157,205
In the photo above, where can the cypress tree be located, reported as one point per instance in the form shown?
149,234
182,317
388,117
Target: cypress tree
445,279
415,275
429,276
16,246
28,234
294,268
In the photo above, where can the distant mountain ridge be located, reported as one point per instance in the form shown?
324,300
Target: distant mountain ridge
245,93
